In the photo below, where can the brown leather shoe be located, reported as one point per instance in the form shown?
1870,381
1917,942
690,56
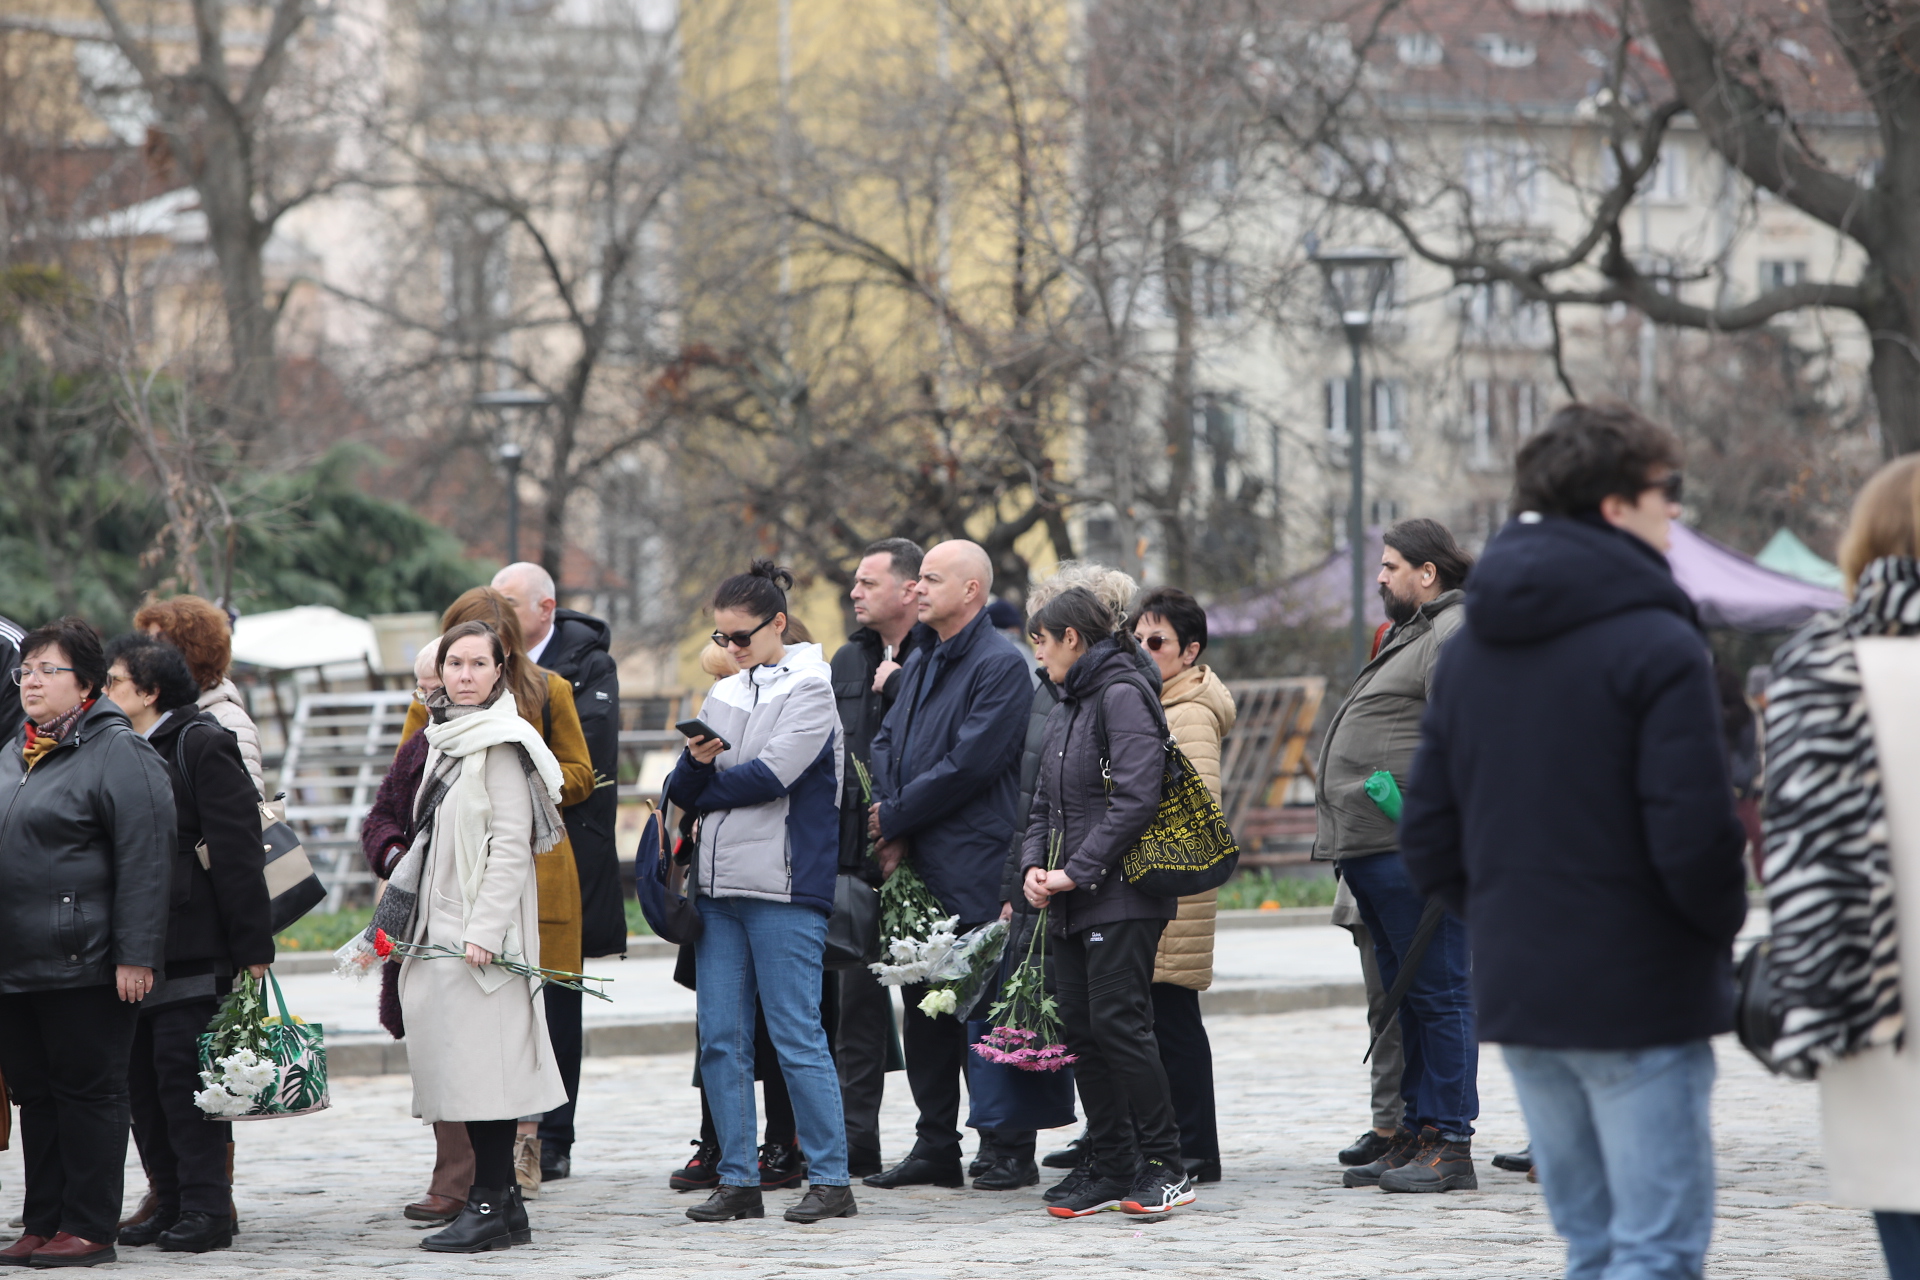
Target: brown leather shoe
433,1208
149,1205
68,1250
18,1253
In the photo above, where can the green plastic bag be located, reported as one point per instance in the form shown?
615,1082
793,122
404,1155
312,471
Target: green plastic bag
1385,792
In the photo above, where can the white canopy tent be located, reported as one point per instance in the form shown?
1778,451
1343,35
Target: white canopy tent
314,635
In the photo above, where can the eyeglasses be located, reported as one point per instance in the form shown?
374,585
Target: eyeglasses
1672,485
45,670
1156,642
116,680
740,639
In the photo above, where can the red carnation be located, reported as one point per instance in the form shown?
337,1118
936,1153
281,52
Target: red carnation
382,944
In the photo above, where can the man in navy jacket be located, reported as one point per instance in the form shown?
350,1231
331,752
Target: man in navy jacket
1570,799
946,769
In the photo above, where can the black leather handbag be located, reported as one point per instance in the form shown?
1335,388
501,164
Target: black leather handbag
853,931
1755,1020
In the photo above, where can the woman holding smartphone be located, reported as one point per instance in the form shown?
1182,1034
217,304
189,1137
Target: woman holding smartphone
765,780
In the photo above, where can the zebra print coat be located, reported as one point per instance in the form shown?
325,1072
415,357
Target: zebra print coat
1835,963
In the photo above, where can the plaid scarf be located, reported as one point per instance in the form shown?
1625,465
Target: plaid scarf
42,738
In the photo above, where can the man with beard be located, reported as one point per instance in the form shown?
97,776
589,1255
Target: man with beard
1377,729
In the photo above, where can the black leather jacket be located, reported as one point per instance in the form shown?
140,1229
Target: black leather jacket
86,839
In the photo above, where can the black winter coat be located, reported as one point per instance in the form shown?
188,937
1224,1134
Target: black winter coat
86,843
220,918
1046,696
578,651
946,764
1570,797
861,712
1098,826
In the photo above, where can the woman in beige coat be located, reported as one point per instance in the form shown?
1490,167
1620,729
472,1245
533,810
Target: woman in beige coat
1172,627
477,1036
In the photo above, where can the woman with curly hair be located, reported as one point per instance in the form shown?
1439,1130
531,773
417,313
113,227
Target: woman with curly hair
203,633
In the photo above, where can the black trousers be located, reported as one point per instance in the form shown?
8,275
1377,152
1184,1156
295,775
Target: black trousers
564,1030
185,1152
1101,978
861,1042
492,1142
65,1055
1187,1056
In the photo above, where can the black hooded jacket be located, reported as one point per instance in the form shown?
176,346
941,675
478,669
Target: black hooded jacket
578,651
1570,796
861,713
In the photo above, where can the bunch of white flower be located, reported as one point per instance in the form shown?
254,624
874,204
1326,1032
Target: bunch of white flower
940,1000
236,1084
919,959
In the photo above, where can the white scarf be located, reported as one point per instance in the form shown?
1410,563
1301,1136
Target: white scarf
467,812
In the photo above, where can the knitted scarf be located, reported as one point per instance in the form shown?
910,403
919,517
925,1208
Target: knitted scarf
42,738
462,735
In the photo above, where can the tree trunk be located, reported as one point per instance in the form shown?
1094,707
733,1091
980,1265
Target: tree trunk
1177,417
224,180
1895,373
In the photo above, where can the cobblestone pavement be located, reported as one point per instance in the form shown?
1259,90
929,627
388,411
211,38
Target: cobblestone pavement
320,1195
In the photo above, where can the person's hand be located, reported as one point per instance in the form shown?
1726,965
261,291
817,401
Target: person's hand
259,971
1006,912
1057,882
891,853
882,673
873,821
478,956
133,981
705,750
1035,886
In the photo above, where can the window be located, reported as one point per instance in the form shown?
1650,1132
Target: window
1213,288
1497,315
1421,49
1383,512
1665,183
1778,273
1502,182
475,287
1505,51
1386,407
1526,409
1221,423
1480,422
1336,400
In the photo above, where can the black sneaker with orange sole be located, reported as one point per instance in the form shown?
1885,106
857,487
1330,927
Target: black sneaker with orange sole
702,1173
1097,1196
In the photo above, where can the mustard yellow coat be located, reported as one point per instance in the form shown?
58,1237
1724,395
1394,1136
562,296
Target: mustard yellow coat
1200,712
553,871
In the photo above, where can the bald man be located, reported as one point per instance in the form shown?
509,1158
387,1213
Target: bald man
946,769
576,646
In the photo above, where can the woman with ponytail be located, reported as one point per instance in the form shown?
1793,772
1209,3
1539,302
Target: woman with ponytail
766,786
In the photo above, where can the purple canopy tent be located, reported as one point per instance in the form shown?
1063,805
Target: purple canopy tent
1732,590
1729,588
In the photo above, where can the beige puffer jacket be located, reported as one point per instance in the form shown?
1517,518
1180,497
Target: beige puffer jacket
223,700
1200,713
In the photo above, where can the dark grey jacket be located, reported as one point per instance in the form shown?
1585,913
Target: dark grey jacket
1097,827
578,650
1046,696
86,843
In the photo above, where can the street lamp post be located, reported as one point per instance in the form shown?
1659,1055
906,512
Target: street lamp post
510,456
510,453
1356,279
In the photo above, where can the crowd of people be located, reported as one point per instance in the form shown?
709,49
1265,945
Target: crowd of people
1533,796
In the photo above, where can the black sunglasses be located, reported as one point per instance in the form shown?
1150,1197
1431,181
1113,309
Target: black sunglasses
1158,642
740,639
1672,485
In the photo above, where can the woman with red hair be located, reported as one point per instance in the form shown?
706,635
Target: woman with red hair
201,630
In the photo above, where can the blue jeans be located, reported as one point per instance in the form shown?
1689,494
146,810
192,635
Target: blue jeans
1900,1241
773,950
1441,1082
1623,1142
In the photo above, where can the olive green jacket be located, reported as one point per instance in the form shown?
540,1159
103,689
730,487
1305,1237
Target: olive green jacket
1378,727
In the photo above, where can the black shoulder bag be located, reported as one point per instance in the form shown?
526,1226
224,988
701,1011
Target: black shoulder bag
1187,848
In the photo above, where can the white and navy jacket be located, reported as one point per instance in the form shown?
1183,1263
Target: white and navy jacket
770,804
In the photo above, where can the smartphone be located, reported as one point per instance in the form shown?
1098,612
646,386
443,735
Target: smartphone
701,729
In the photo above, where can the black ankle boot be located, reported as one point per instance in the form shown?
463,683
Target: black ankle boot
151,1228
727,1204
482,1226
196,1232
519,1230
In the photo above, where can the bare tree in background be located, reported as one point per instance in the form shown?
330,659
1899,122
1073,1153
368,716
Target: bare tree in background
537,159
1769,86
256,138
